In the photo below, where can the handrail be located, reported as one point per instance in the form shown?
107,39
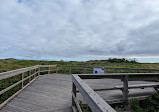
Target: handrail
8,74
122,68
105,69
94,100
32,74
119,75
12,73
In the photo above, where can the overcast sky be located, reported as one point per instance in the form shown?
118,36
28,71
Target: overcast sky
79,29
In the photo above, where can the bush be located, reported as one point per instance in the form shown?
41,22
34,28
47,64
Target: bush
151,104
123,60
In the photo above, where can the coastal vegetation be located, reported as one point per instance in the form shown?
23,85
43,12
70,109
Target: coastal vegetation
136,106
13,64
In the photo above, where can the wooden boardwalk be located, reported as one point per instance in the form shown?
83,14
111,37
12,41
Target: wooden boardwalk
49,93
52,93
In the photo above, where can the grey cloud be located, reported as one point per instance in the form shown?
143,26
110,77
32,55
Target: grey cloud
79,28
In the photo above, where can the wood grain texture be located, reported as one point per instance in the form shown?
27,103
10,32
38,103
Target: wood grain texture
94,101
52,93
49,93
12,73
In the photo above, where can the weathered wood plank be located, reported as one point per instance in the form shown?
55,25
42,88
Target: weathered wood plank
53,92
125,88
142,86
12,73
132,76
76,102
46,65
74,109
139,86
10,87
14,95
95,102
74,92
57,70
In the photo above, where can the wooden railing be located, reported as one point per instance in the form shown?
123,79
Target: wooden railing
83,69
94,101
26,77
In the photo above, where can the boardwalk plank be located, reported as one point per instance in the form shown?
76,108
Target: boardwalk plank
52,93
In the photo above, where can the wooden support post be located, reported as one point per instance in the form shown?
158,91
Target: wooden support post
157,89
30,74
22,77
125,88
70,70
34,73
57,69
49,70
38,71
73,91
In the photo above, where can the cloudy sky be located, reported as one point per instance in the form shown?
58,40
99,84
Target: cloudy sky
79,29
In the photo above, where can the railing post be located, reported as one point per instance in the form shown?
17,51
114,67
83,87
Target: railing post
103,69
125,88
38,71
74,92
34,73
49,70
22,77
57,69
70,70
29,74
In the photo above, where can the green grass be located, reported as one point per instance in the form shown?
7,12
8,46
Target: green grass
13,64
151,104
